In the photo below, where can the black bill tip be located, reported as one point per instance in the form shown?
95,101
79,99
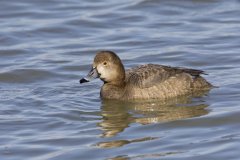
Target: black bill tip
83,80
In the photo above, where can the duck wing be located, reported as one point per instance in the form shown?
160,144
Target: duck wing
146,76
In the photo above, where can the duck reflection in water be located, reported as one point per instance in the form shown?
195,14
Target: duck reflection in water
118,115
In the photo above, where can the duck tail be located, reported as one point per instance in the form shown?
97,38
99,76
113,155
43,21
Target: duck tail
200,83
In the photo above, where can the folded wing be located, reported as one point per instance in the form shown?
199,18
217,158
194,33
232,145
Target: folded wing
146,76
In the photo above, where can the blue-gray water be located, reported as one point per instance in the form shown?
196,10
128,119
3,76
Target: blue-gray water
46,46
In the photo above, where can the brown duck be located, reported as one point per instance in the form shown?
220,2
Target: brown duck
150,81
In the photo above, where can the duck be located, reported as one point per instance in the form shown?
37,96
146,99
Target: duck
149,81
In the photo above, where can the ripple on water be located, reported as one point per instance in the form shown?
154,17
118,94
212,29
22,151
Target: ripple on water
27,76
46,46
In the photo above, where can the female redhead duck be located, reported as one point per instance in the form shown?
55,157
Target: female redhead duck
150,81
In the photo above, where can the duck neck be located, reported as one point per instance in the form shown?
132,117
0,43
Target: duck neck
119,80
119,83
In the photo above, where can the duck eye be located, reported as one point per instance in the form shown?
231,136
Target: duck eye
105,63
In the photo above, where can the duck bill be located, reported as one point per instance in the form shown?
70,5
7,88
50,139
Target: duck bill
91,75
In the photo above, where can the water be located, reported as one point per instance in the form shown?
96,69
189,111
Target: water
47,46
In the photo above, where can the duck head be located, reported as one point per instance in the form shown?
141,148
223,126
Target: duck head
108,67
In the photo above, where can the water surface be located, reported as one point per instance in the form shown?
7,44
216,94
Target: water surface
47,46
